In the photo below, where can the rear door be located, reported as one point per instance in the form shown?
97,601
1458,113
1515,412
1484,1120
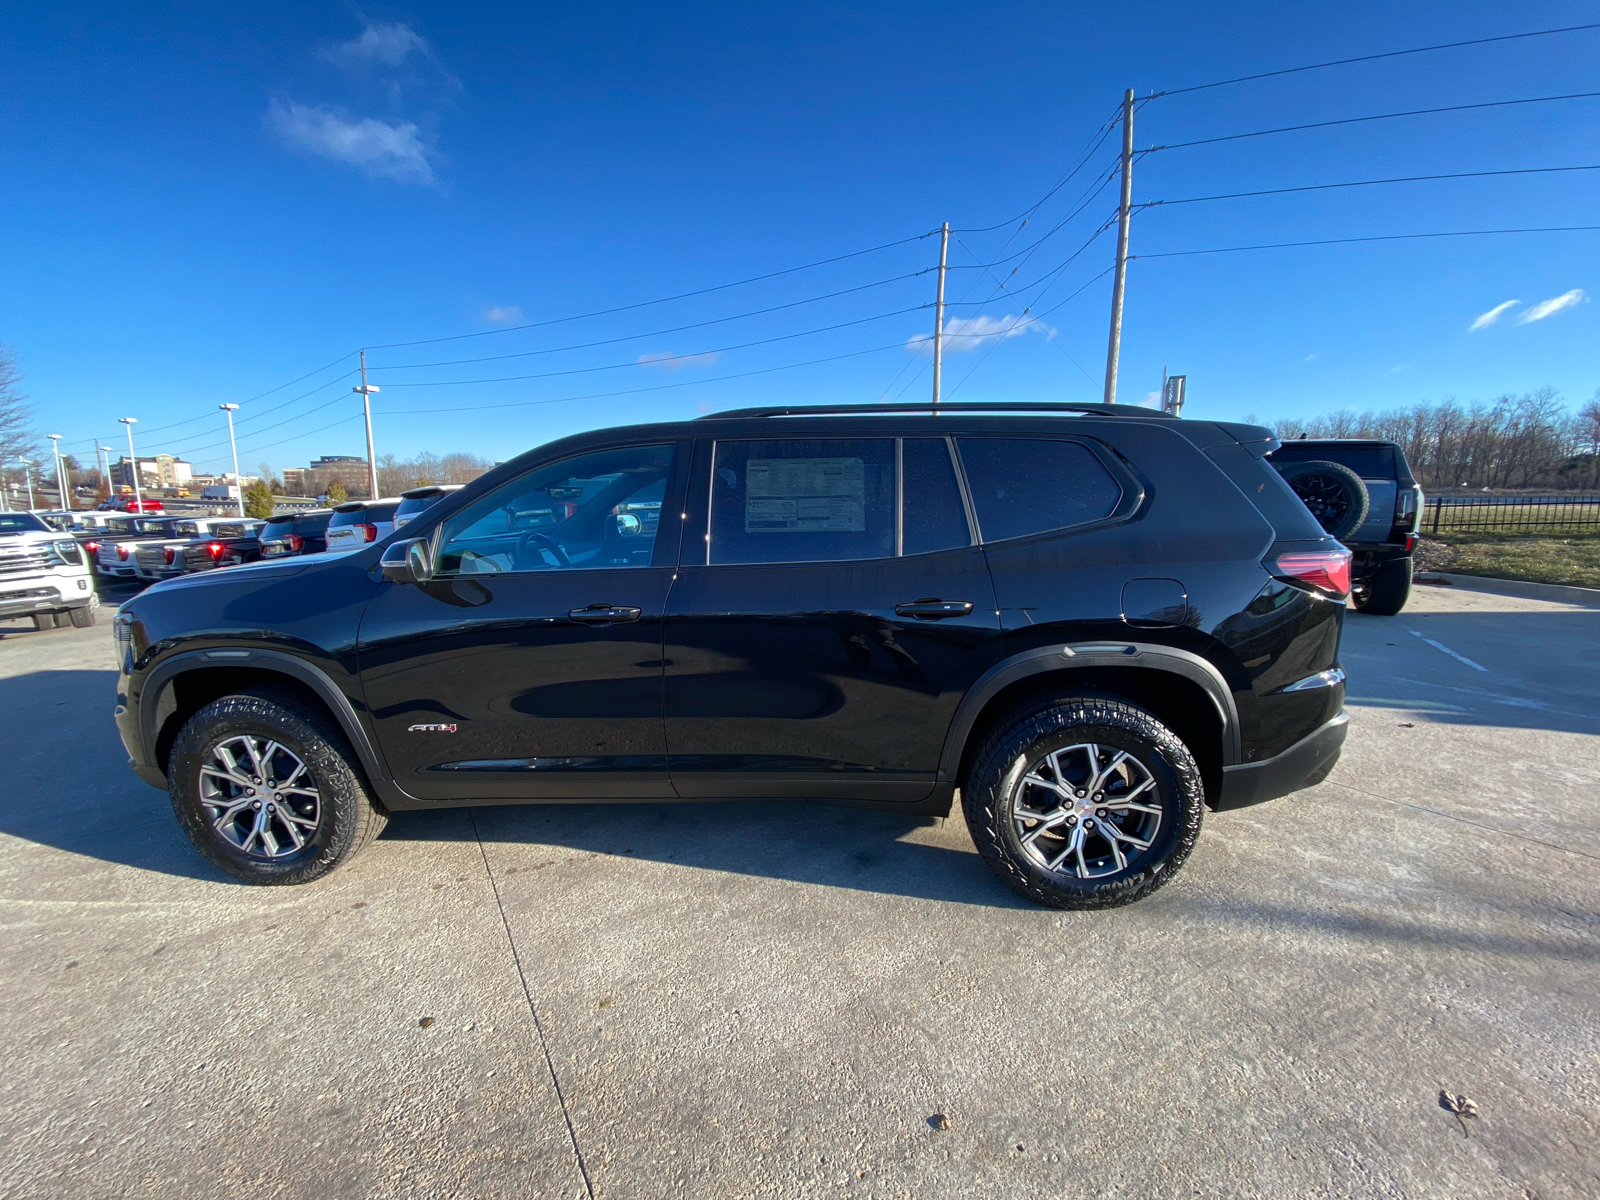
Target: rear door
830,612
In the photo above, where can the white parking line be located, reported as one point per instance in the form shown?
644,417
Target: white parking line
1450,652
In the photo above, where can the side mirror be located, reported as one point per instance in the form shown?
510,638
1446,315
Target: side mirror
628,525
408,562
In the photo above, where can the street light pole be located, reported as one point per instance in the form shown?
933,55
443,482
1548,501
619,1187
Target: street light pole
133,462
55,453
26,463
238,484
104,453
366,407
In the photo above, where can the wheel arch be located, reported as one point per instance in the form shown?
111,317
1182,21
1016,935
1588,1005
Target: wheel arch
1180,689
182,685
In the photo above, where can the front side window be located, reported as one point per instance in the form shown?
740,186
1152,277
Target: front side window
1033,485
593,511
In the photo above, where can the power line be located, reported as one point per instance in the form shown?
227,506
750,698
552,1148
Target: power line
1343,62
638,362
660,387
1096,141
633,337
257,396
1318,187
1416,112
605,312
1392,237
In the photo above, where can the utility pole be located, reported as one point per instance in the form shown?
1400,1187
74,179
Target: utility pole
366,407
938,312
61,487
238,484
1124,216
133,462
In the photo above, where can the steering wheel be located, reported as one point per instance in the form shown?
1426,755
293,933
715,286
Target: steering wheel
549,543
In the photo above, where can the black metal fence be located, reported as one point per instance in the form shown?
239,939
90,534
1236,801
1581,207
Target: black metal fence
1512,514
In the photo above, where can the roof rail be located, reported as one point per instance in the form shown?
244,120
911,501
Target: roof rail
828,410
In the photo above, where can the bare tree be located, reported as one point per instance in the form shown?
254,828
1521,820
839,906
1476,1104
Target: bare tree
17,438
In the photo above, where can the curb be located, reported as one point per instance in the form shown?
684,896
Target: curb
1515,587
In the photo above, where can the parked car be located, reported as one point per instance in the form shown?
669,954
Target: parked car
43,574
128,504
230,544
116,549
303,531
419,499
1091,623
359,522
1362,492
166,557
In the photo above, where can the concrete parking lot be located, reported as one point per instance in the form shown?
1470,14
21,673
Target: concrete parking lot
732,1000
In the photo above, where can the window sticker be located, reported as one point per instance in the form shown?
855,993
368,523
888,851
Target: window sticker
805,495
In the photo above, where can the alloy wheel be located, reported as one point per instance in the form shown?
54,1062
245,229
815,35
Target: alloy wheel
1086,810
260,796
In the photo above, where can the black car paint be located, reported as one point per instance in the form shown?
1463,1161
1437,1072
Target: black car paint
792,680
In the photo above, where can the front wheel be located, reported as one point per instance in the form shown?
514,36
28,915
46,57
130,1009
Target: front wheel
1084,802
267,788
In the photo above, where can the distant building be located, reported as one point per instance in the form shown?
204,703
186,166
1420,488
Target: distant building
347,470
159,471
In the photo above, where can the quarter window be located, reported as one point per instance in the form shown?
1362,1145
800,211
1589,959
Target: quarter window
592,511
1030,485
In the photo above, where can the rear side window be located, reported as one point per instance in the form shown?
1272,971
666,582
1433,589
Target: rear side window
1032,485
803,500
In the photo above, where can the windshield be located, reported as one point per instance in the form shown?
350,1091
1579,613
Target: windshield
22,523
1369,462
372,514
277,529
412,505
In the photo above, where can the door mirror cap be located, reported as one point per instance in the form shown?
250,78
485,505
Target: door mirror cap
408,562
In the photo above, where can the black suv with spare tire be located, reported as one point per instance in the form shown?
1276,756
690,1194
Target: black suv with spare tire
1088,622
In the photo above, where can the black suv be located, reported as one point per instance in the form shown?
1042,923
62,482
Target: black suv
1364,494
1090,622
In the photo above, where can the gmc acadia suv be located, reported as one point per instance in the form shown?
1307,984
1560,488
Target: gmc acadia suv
1089,622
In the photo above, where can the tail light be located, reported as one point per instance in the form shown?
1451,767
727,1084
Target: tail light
169,555
214,549
369,533
296,542
92,547
122,553
1326,570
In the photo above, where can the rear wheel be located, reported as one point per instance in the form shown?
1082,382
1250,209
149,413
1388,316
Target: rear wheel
268,789
1083,802
1387,591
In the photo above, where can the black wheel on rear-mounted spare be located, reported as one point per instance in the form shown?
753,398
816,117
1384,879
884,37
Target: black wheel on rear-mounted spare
267,787
1333,492
1083,802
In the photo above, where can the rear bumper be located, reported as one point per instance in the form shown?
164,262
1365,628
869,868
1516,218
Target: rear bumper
1306,762
1367,558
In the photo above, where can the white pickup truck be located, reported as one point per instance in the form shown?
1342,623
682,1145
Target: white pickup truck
43,574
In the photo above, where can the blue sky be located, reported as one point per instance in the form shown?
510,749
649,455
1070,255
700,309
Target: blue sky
198,205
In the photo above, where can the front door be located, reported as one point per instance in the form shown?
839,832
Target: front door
838,612
529,667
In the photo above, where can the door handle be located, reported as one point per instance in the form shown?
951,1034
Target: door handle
934,610
603,614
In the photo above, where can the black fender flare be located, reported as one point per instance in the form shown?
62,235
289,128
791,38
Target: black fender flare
1065,656
162,675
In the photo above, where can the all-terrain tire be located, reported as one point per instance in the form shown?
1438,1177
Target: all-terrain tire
1333,492
1388,590
347,817
82,617
1016,750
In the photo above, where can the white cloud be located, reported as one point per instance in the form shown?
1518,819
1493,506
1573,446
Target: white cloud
1494,314
503,314
677,362
1549,308
380,149
386,43
1151,400
969,333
